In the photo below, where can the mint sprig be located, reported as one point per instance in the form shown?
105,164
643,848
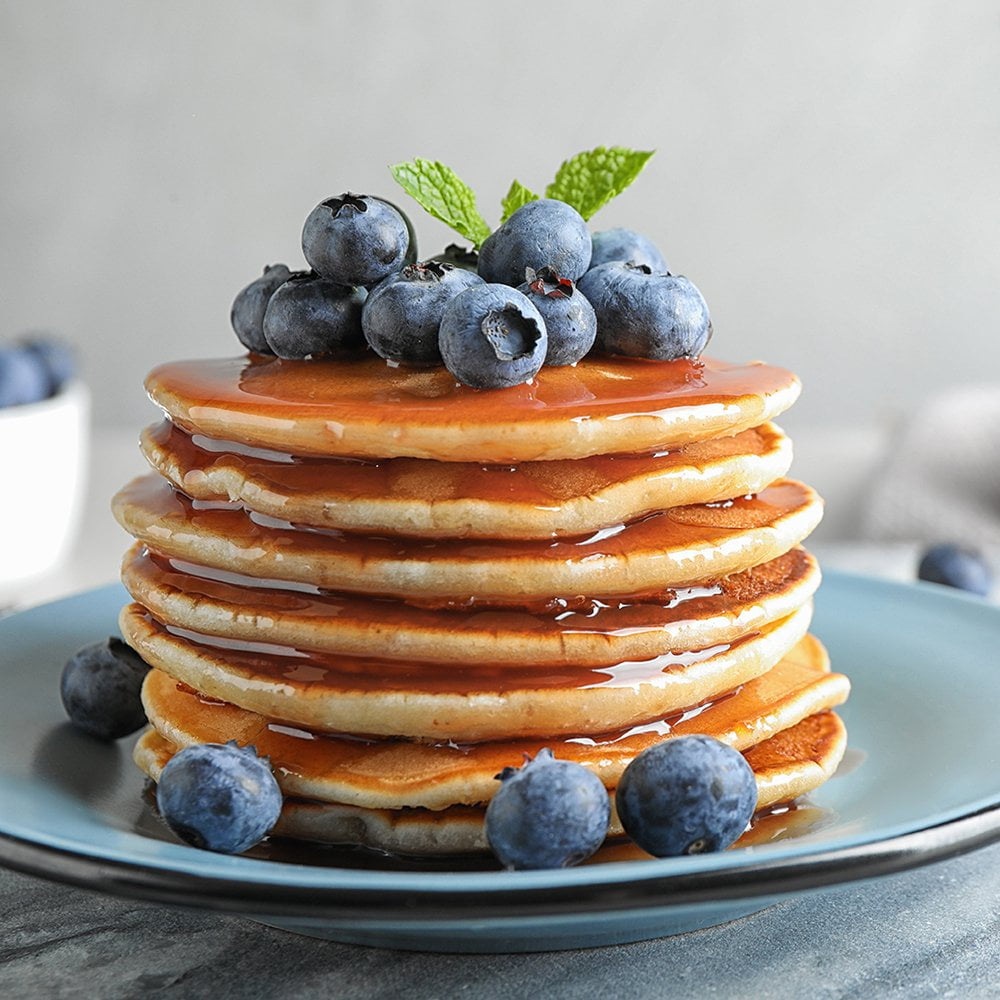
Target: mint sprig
439,190
516,196
590,180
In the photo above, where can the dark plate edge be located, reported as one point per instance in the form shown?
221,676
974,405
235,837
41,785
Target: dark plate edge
765,878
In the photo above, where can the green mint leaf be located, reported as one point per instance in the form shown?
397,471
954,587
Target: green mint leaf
440,191
517,196
590,180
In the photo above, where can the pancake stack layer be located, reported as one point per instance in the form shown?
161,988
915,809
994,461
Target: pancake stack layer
396,586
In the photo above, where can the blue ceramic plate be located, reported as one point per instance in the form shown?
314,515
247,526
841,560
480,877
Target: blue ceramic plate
923,784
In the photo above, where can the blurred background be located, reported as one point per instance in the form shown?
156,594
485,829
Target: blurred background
827,175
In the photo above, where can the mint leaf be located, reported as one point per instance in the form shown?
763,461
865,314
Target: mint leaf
517,196
590,180
440,191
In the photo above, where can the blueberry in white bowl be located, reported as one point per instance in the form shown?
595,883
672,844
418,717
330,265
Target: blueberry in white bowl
492,337
311,317
547,814
219,797
24,377
402,314
687,795
569,318
642,314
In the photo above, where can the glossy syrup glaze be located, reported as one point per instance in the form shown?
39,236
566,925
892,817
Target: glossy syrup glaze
364,408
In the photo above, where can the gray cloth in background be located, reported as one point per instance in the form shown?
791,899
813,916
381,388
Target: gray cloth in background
941,479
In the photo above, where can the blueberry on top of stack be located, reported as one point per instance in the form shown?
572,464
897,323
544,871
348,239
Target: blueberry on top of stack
538,290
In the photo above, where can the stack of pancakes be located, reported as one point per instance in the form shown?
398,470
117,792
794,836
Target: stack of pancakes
395,586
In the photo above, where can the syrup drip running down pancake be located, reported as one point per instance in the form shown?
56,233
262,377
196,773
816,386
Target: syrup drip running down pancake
677,547
410,496
588,632
401,774
788,765
364,409
471,703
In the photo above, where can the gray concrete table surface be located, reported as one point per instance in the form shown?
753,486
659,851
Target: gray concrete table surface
931,932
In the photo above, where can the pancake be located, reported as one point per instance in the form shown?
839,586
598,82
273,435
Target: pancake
790,764
412,496
367,409
466,703
400,774
590,632
676,547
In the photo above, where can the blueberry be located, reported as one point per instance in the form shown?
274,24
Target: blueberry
249,306
100,689
460,256
646,315
411,249
958,567
55,356
309,316
492,337
547,814
627,245
355,239
687,795
402,315
544,233
569,318
23,377
219,797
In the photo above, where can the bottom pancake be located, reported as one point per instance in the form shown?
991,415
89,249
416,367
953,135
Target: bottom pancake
790,764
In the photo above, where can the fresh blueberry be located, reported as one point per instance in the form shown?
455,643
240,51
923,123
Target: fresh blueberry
23,377
547,814
492,337
249,306
958,567
220,797
646,315
309,316
355,239
411,249
56,357
687,795
627,245
569,318
100,688
402,315
460,256
544,233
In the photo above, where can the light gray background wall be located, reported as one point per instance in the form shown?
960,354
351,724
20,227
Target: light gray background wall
827,172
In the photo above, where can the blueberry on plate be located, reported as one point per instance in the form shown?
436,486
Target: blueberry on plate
310,317
544,233
492,337
219,797
100,689
955,566
627,245
686,795
570,320
460,256
24,378
249,306
56,357
402,314
355,239
547,814
646,315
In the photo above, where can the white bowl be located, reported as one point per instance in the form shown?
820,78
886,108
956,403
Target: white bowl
43,465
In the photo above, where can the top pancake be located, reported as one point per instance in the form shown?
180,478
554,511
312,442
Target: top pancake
366,409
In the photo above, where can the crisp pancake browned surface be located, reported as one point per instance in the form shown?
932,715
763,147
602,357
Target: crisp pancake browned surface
478,701
589,632
677,547
395,774
788,765
412,496
366,409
